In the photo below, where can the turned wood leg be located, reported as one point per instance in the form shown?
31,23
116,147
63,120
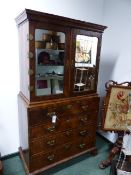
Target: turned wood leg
114,151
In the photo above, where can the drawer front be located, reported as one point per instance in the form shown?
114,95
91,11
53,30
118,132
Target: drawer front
48,143
41,160
79,106
88,118
86,133
37,116
45,144
63,123
62,152
48,158
44,114
85,144
89,105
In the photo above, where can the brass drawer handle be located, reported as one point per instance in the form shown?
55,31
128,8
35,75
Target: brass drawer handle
69,106
50,113
30,72
81,146
85,107
83,119
30,55
51,157
68,133
51,142
83,133
30,37
68,120
51,129
31,88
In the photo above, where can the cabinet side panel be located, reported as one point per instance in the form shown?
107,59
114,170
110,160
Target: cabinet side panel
23,58
23,128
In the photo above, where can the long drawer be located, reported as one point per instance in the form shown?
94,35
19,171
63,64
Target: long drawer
44,114
45,144
60,153
63,123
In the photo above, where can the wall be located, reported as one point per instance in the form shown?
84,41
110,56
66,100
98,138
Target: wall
116,46
86,10
115,61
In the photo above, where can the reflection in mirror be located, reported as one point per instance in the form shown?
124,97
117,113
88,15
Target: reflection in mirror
85,62
49,47
86,50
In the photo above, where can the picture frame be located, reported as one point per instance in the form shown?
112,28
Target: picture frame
117,108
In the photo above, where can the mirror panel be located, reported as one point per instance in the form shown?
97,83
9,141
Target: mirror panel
85,63
50,55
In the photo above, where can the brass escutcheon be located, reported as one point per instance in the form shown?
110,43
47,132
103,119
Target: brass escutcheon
30,36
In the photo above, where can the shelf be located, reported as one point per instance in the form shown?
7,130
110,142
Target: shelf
50,65
49,50
80,84
60,77
82,69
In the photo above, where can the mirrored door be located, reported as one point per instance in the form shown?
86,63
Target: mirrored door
85,63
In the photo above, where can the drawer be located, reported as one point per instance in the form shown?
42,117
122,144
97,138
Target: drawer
68,108
38,115
88,105
86,132
45,144
48,143
84,140
85,144
42,130
64,151
48,158
41,160
78,106
62,124
45,116
88,118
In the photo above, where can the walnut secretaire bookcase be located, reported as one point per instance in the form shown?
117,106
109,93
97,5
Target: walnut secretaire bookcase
58,100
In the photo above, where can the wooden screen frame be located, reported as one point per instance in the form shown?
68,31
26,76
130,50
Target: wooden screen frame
116,106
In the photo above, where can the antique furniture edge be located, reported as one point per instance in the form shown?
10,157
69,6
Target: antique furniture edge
92,150
32,15
40,103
